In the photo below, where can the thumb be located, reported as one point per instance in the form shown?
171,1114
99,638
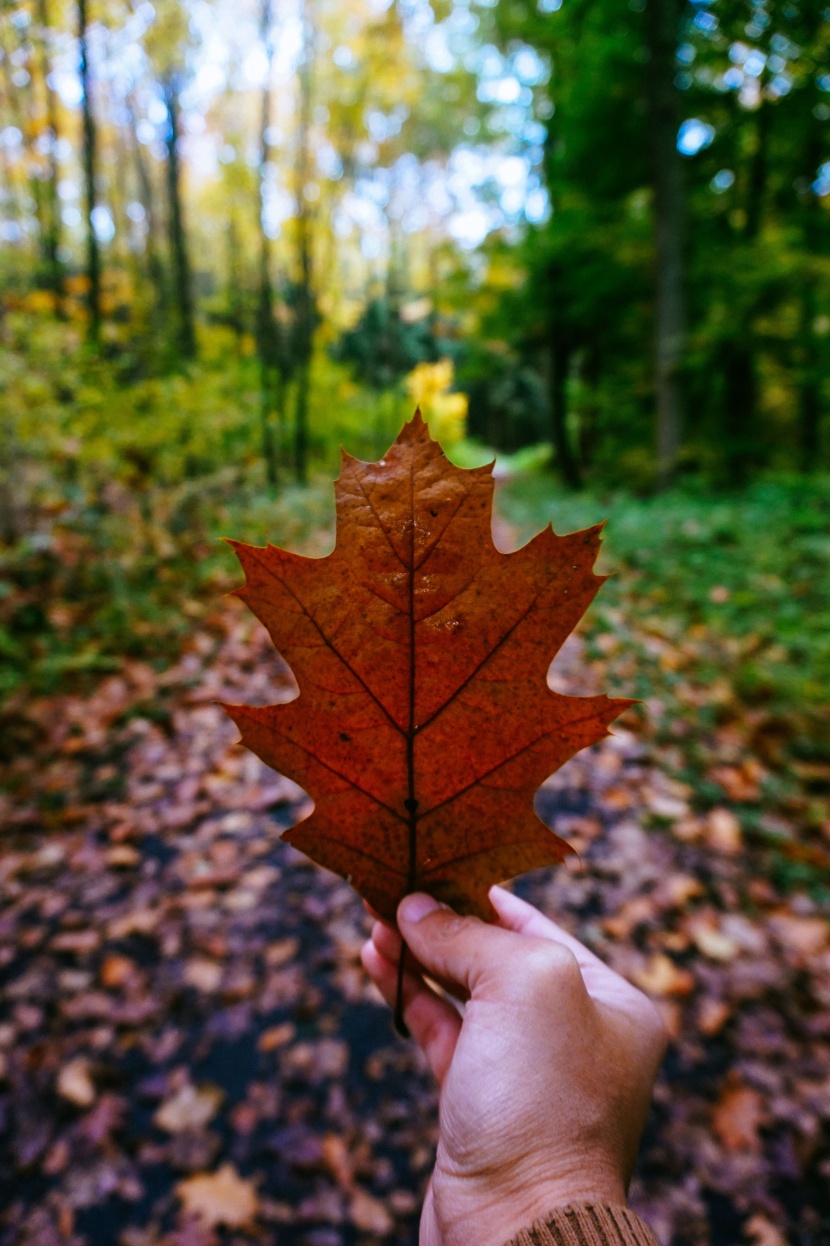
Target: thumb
450,948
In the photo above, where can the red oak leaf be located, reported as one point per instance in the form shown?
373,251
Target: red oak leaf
424,723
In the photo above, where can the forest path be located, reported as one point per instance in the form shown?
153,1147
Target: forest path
182,991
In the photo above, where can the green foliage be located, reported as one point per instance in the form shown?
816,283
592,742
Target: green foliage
384,345
115,487
119,491
748,568
756,234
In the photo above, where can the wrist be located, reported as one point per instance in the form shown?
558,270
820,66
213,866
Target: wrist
490,1210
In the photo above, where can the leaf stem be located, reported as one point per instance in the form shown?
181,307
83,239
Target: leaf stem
401,1027
411,802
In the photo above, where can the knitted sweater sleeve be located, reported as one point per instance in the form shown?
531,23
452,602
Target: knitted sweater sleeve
587,1225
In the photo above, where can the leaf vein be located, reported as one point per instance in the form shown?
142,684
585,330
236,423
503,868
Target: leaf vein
331,769
439,536
574,722
490,653
371,506
329,644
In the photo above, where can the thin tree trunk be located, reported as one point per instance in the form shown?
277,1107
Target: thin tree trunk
22,107
662,25
183,283
119,196
305,297
304,317
559,364
810,396
146,194
53,231
740,394
11,197
740,380
591,370
25,113
266,327
235,313
12,498
93,254
758,171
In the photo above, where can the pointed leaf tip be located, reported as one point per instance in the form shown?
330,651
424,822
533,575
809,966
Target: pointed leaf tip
417,427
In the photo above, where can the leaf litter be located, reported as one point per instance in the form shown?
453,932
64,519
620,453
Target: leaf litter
166,960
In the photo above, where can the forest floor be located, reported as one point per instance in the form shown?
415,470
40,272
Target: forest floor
190,1051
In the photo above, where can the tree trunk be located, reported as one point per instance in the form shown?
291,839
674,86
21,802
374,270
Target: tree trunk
301,401
266,327
809,393
305,297
22,111
740,397
53,228
591,370
182,280
809,401
235,312
155,268
758,170
93,254
662,26
12,498
13,211
810,389
740,380
559,364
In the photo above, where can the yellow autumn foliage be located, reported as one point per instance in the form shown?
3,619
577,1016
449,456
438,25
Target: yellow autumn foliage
428,385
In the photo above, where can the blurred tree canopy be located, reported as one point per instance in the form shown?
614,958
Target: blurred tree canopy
612,219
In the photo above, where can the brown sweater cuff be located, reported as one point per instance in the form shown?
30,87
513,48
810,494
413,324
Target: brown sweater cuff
587,1225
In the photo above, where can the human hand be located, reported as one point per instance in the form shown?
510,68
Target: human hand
545,1081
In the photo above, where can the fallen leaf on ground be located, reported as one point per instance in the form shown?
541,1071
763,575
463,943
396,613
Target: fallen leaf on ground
79,941
116,970
281,952
762,1232
75,1083
712,1016
805,936
338,1161
737,1117
637,912
122,856
222,1197
660,976
188,1108
740,783
710,939
327,1057
369,1214
204,975
724,832
276,1036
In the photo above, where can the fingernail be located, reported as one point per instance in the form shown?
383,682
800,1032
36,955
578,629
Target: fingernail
413,908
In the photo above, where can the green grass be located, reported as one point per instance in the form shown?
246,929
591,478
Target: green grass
750,570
